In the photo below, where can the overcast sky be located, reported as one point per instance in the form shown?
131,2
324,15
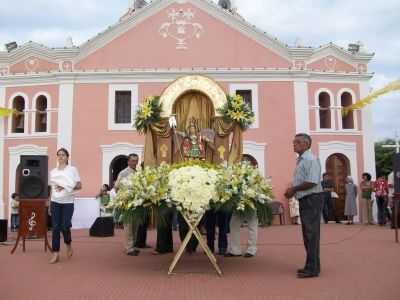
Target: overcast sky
375,22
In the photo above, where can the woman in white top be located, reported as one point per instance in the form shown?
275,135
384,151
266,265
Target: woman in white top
64,181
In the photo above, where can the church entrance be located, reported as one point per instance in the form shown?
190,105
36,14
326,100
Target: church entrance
338,166
117,165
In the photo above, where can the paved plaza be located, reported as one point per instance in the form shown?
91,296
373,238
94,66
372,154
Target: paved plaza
358,262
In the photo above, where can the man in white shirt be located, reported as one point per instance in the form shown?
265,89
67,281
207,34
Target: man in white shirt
130,228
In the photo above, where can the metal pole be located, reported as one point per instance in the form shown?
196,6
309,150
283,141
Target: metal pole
396,199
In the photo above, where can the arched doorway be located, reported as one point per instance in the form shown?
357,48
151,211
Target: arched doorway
117,165
338,166
250,159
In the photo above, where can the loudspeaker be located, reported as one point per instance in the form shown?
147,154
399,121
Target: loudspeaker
396,172
33,182
3,230
102,227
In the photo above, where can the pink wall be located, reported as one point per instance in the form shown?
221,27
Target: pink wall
39,65
218,46
323,65
334,88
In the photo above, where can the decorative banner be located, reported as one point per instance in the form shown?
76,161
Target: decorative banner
391,87
5,112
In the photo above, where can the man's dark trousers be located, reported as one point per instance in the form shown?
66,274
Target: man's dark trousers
310,215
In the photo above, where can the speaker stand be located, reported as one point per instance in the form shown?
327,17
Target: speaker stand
33,222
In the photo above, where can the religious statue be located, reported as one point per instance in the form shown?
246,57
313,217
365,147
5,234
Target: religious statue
194,141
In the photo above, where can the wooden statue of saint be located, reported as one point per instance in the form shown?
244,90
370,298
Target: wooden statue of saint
195,141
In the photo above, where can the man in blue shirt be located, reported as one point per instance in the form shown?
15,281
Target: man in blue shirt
307,189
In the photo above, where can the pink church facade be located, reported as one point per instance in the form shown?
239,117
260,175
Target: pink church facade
84,98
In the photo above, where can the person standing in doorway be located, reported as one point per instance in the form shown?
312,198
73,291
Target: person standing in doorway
366,187
350,208
131,226
308,190
328,207
64,182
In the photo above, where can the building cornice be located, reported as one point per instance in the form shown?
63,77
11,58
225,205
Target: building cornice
167,75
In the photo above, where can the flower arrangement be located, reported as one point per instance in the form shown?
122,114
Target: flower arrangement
244,191
192,188
237,110
144,188
147,113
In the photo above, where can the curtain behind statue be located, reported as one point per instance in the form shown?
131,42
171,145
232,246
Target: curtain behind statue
193,104
197,105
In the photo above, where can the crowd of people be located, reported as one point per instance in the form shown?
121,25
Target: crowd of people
310,199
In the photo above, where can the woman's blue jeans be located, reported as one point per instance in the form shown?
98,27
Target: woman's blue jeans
61,216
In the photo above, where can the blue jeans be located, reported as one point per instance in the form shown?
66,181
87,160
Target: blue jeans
61,216
14,222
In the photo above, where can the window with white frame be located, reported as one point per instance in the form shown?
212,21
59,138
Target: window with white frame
122,104
41,120
346,99
324,106
324,110
249,92
18,119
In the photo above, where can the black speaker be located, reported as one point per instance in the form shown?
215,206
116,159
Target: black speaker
102,227
396,172
3,230
33,174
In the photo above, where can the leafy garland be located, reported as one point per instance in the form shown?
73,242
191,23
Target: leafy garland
236,110
147,113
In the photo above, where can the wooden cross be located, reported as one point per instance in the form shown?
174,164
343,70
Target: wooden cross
193,230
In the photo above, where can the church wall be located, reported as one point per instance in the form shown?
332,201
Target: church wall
331,63
277,128
218,46
32,92
335,90
33,64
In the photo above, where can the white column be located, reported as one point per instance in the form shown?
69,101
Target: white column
2,133
368,139
301,106
368,133
65,111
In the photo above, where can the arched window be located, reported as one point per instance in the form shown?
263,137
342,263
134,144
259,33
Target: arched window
18,118
346,99
41,114
324,107
250,159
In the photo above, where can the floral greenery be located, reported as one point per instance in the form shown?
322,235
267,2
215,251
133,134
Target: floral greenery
194,187
142,189
236,110
244,191
147,113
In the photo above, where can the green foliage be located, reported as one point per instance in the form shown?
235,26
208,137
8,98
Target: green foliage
147,113
237,110
384,157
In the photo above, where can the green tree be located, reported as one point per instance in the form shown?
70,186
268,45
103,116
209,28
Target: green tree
384,157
